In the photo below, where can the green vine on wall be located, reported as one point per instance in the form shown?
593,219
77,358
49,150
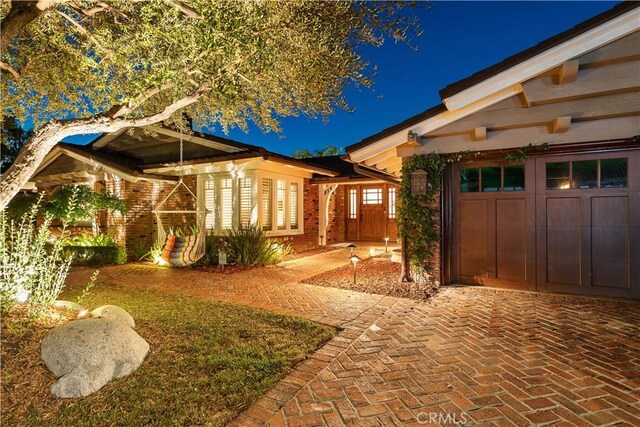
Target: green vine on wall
419,215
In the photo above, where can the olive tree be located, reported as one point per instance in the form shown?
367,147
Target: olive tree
84,66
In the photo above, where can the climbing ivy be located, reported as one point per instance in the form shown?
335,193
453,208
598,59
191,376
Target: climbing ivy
419,215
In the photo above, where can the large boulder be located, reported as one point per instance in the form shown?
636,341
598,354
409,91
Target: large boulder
86,354
115,313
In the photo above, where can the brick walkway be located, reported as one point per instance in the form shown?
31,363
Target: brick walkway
484,356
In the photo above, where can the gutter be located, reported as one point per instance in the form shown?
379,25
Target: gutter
365,171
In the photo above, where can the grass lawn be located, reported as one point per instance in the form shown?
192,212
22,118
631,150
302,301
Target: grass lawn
208,361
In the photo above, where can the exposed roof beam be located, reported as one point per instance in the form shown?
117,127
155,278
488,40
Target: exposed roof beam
197,140
605,33
386,163
380,157
568,71
479,134
561,124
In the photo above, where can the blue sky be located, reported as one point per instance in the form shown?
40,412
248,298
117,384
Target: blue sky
459,38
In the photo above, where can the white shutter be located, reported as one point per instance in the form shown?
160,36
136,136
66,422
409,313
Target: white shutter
280,204
293,205
246,200
267,214
226,202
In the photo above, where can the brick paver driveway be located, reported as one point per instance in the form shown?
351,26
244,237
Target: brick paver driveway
469,355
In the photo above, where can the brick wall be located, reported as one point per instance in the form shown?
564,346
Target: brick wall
336,227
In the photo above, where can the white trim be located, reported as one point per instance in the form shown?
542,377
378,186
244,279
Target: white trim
431,124
605,33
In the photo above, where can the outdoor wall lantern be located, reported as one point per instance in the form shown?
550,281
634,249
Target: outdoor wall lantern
419,183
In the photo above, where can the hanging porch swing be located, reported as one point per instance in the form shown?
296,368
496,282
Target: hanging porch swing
182,250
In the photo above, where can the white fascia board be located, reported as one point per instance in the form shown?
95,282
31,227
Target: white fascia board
549,59
431,124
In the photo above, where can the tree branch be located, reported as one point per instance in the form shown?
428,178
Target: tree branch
10,69
45,138
100,8
20,15
86,33
189,11
145,96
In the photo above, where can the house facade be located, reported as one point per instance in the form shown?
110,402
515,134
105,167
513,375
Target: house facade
305,203
551,199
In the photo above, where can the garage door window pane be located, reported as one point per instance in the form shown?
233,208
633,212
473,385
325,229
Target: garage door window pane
469,180
613,173
491,179
514,178
584,174
558,176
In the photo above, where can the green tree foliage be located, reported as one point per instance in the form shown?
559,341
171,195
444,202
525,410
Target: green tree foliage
72,204
329,150
13,138
118,64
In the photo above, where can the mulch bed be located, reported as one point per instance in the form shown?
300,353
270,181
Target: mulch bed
376,275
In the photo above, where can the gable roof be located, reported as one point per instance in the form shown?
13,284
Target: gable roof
541,47
134,153
503,80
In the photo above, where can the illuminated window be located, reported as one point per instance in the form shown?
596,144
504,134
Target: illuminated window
353,203
584,174
280,204
372,196
267,203
226,202
293,206
209,203
246,200
392,202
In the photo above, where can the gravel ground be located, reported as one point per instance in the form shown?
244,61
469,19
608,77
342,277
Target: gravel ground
377,275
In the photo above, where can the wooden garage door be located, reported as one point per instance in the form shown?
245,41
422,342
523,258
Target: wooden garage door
495,233
588,224
555,223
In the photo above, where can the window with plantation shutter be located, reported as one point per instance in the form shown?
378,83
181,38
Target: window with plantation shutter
293,208
267,213
209,203
226,202
280,204
246,200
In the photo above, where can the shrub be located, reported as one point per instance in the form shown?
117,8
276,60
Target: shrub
20,206
95,255
250,246
153,254
32,270
90,240
75,203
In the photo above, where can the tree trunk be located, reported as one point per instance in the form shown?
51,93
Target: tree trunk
44,139
20,15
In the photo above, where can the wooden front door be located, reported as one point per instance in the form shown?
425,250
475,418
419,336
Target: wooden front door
371,212
566,223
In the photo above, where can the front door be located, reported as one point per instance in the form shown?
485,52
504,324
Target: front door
372,213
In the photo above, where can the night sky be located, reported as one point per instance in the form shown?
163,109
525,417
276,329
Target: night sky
459,38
